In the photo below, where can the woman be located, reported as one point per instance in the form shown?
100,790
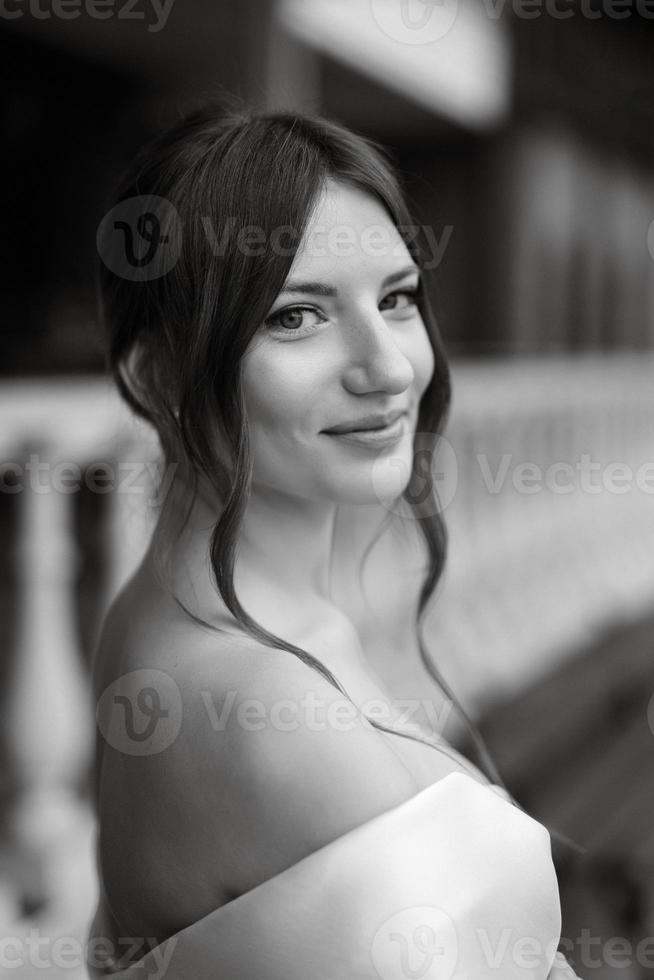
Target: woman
274,814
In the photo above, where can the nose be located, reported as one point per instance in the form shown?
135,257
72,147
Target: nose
375,362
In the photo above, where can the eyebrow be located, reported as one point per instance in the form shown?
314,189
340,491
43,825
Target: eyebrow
323,289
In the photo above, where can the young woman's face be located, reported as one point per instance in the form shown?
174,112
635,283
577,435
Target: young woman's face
343,340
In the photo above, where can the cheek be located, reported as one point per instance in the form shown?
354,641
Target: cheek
422,360
278,397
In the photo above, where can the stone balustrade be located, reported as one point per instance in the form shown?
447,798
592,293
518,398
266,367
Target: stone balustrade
547,484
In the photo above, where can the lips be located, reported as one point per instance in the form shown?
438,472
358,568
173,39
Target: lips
367,422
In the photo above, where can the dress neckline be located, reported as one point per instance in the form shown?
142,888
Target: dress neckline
440,745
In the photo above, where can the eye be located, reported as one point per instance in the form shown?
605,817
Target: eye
410,295
291,319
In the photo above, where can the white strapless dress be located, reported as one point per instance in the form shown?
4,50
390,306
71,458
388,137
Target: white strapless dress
456,883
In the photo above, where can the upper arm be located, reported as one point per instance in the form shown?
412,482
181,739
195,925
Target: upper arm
267,767
300,767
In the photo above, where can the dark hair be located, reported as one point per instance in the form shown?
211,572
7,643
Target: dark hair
175,339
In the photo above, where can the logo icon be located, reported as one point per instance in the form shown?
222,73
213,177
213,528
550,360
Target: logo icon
140,713
650,238
417,943
432,462
140,238
415,21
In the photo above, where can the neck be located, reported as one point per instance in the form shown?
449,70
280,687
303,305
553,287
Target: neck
288,542
291,553
284,548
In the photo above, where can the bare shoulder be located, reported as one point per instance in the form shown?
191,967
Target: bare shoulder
227,762
155,674
144,628
291,763
304,766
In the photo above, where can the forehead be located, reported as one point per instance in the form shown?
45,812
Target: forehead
350,228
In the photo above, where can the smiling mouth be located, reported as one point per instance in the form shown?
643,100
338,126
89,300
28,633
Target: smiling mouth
368,423
373,437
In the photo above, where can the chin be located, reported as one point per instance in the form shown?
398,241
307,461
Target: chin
381,480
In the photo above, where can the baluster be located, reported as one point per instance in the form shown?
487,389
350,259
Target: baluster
48,718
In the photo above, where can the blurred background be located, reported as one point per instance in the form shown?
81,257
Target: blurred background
524,135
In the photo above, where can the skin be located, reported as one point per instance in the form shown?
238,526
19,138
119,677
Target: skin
363,351
316,498
314,503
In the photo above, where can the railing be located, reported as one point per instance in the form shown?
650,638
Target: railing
552,522
549,539
52,433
